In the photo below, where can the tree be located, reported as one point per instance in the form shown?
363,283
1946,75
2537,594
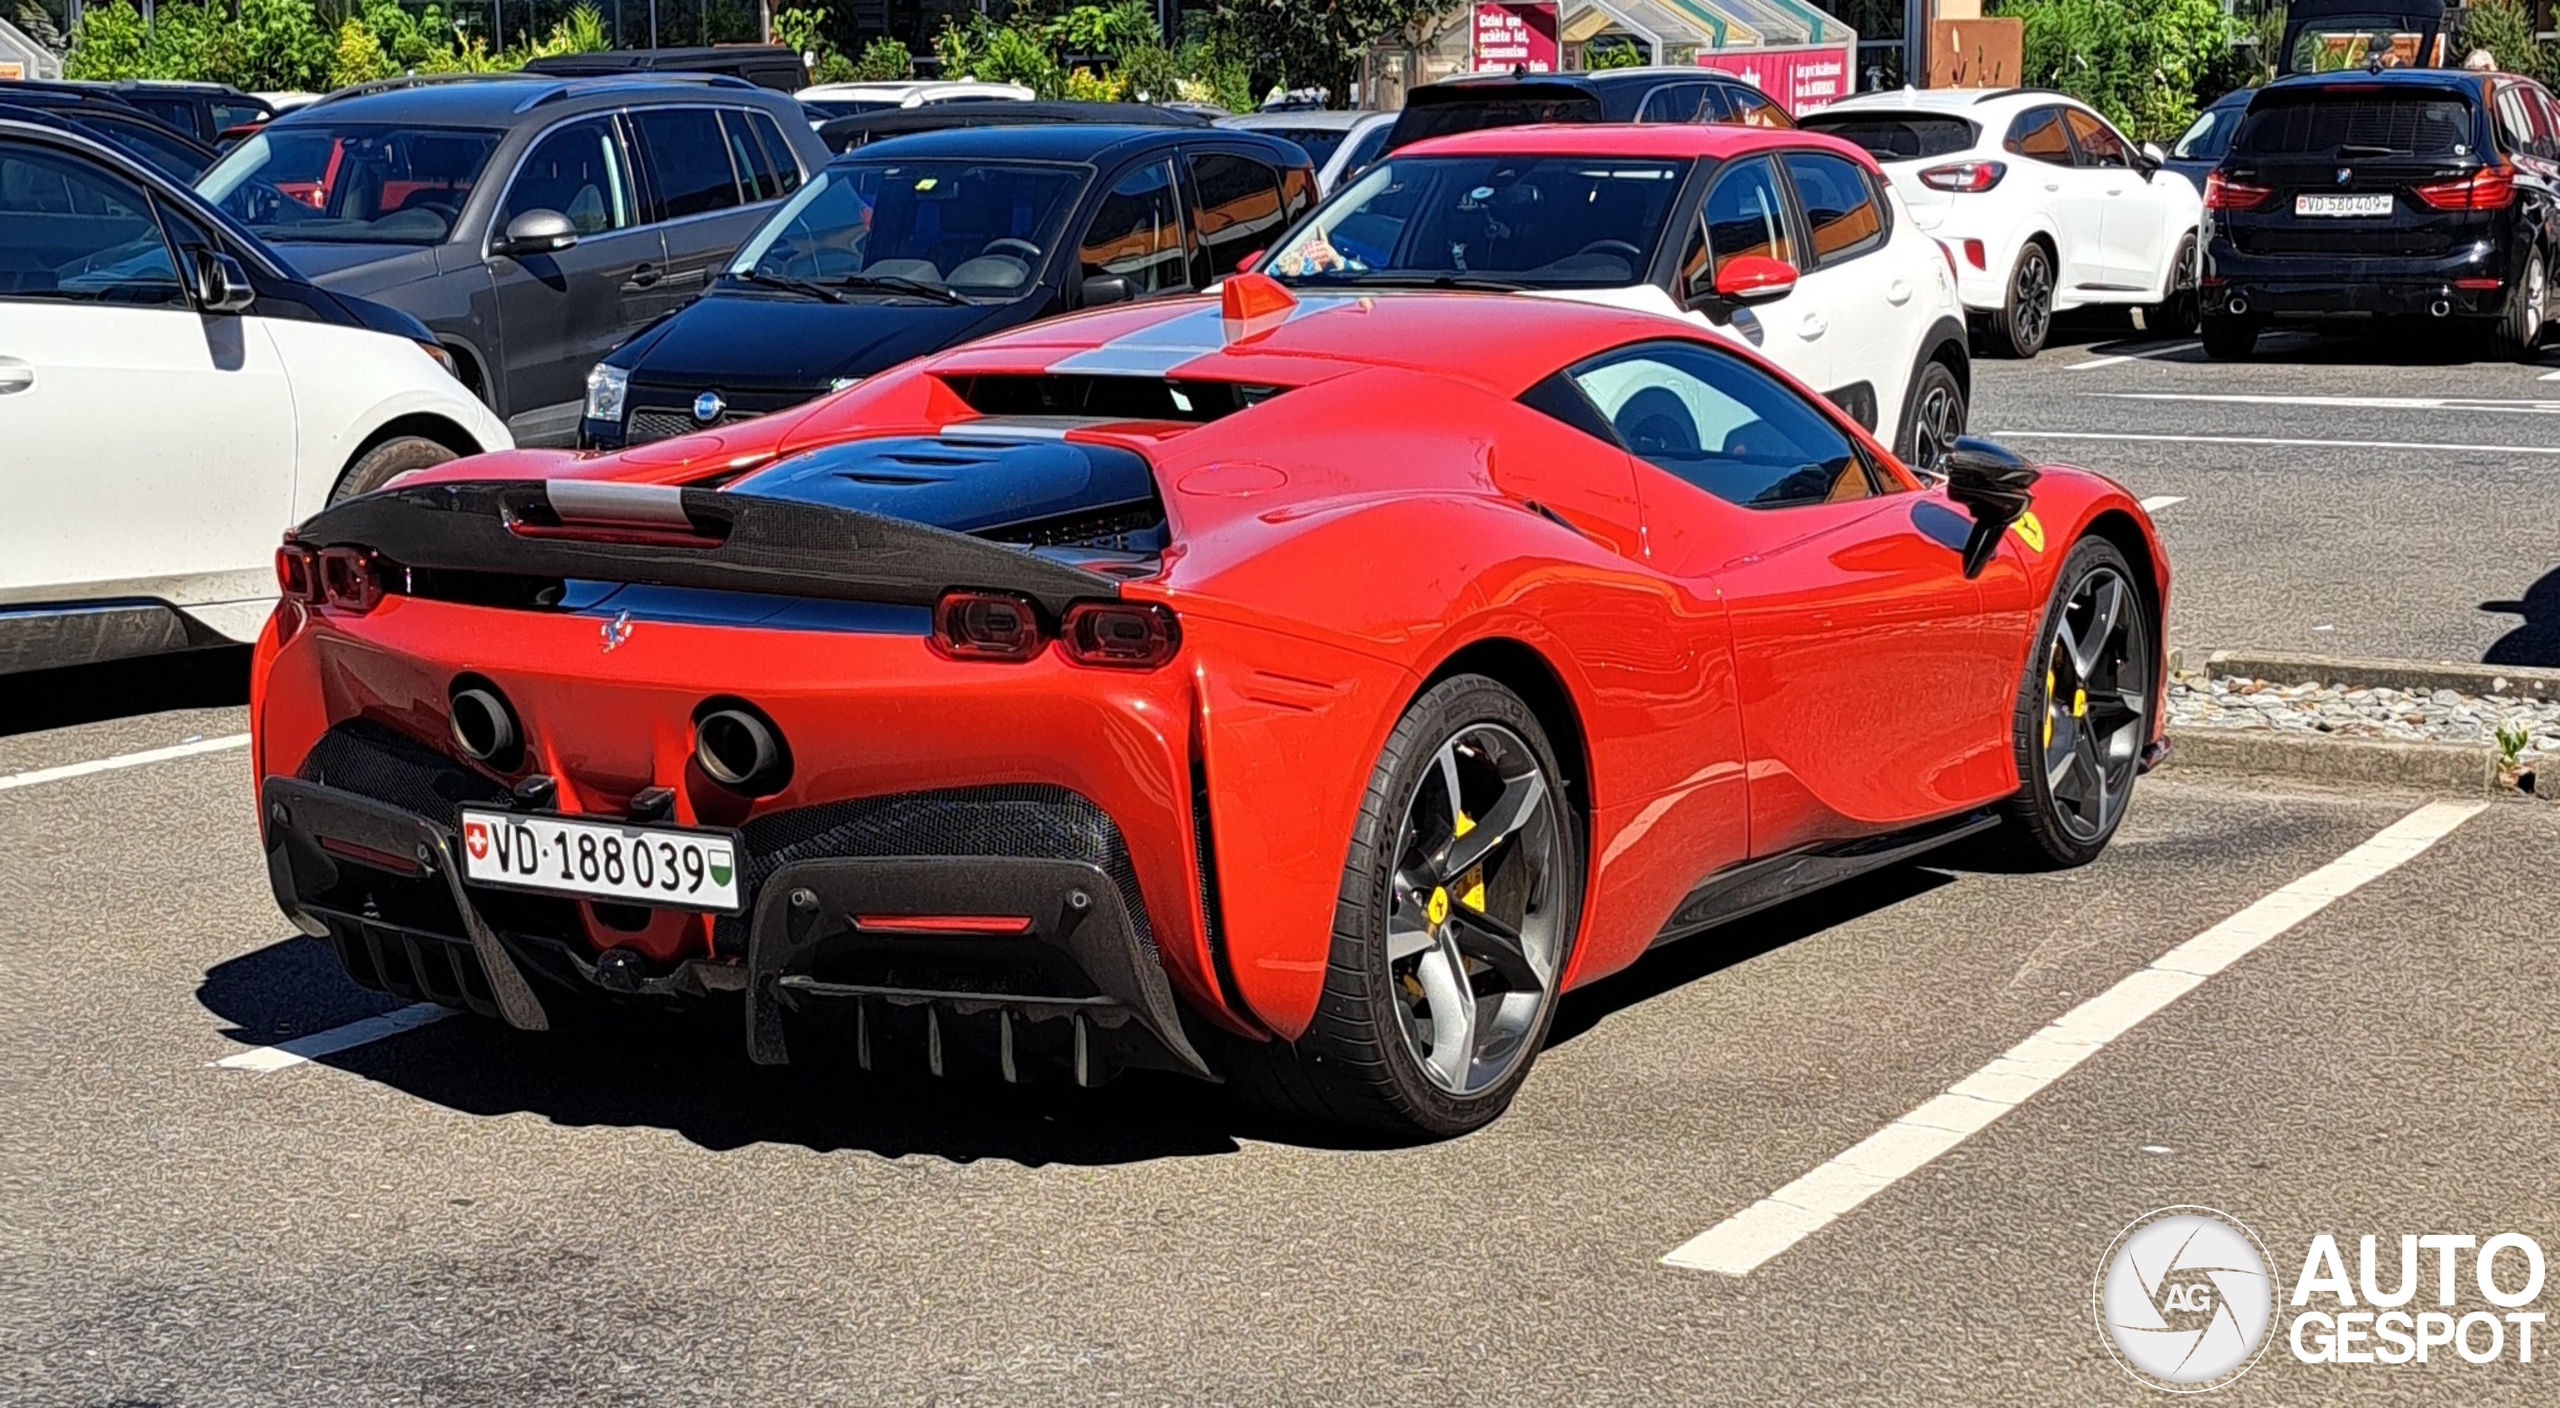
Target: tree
2140,62
1318,43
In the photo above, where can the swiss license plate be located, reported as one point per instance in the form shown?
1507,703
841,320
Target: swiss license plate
2342,205
604,860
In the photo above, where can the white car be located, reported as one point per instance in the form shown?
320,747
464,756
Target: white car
172,399
836,100
1339,143
2044,204
1789,243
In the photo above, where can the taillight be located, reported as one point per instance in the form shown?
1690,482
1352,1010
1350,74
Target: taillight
1973,254
2223,193
2489,188
1968,176
298,573
1122,635
986,626
351,579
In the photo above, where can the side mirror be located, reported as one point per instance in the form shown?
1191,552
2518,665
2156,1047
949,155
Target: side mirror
1104,289
1754,278
536,232
1992,482
2151,158
218,282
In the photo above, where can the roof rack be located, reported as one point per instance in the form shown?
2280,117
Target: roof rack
409,80
579,85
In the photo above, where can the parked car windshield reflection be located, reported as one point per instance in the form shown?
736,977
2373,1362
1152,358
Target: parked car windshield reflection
370,184
973,229
1533,221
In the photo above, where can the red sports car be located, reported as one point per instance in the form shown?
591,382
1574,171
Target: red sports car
1301,691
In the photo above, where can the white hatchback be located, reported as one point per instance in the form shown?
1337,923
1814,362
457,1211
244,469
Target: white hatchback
172,399
2043,204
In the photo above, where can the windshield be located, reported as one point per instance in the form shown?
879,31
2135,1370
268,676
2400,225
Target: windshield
1535,221
1897,136
357,184
976,228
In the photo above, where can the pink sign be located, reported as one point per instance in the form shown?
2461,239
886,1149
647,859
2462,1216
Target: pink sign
1798,79
1516,34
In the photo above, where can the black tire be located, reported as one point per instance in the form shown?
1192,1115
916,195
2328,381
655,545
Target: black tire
2042,830
1356,1063
2517,335
2025,318
1933,415
387,461
2177,315
2229,339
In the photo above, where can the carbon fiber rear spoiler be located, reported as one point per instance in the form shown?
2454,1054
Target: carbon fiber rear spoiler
663,535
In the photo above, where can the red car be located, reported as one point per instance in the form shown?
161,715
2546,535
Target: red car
1303,691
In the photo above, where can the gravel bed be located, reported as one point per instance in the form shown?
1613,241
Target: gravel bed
2354,711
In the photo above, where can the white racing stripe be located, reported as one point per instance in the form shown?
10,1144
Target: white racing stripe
2277,440
2158,502
336,1039
1742,1243
223,744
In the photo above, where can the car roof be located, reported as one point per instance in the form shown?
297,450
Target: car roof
2442,80
1644,139
498,101
1338,119
1042,141
1594,80
1949,100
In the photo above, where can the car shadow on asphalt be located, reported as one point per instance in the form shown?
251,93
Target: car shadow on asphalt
690,1074
2536,640
123,689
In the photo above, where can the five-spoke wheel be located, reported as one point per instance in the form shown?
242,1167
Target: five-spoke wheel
2086,710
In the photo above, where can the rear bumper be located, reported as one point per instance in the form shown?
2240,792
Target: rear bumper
2298,286
1070,979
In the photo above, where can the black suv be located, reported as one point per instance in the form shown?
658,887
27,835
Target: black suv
2402,193
909,246
96,110
1606,95
203,111
532,222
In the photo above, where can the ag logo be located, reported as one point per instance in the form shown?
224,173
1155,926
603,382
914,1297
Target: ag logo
476,836
2183,1299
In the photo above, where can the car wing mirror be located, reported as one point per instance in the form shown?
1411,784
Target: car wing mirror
536,232
2150,158
1103,289
1754,278
1994,484
218,282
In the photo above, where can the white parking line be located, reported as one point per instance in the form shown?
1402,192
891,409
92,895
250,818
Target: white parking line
2498,405
334,1040
2094,363
2277,440
2548,376
1742,1243
223,744
2158,502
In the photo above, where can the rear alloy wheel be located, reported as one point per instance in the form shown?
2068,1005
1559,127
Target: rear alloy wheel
2175,316
1932,417
2018,329
2518,332
2229,339
386,462
2084,712
1457,907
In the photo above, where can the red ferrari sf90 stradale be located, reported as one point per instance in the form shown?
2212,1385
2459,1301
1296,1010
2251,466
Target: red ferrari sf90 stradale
1302,692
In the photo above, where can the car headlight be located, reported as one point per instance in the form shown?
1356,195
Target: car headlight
443,358
606,389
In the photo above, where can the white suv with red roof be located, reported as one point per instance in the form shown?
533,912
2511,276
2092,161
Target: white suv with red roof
1790,243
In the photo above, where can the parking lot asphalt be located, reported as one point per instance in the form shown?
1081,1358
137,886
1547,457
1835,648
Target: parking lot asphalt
2373,496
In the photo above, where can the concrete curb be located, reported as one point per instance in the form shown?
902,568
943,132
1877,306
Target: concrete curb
2490,681
2466,770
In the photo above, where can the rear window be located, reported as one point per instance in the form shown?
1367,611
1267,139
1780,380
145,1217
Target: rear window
1895,136
2323,124
1318,142
1469,113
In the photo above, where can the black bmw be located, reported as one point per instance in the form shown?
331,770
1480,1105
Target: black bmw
2424,194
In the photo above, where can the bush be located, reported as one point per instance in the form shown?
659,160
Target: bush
2140,62
883,60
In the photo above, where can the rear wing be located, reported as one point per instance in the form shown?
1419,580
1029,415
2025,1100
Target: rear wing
667,536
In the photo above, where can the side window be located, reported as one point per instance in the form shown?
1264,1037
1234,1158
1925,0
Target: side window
1137,234
688,161
1745,214
786,162
1706,418
1751,109
1373,144
2547,146
579,172
227,115
1239,210
2037,133
2515,129
1672,102
73,232
755,170
177,112
1844,217
2099,145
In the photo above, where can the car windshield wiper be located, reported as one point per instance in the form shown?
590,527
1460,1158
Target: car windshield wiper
1467,281
2358,149
785,281
899,283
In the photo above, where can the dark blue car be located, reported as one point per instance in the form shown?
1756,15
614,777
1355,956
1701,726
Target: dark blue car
909,246
2202,146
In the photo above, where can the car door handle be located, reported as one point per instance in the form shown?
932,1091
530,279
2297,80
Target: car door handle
643,276
1897,293
1812,327
2053,185
15,376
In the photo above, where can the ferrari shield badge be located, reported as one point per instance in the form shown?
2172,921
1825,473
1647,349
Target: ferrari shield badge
2030,531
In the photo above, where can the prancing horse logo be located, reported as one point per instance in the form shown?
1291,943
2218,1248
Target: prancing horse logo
616,631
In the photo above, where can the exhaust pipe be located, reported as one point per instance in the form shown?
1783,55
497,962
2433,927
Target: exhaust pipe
739,748
484,724
2237,305
2440,307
